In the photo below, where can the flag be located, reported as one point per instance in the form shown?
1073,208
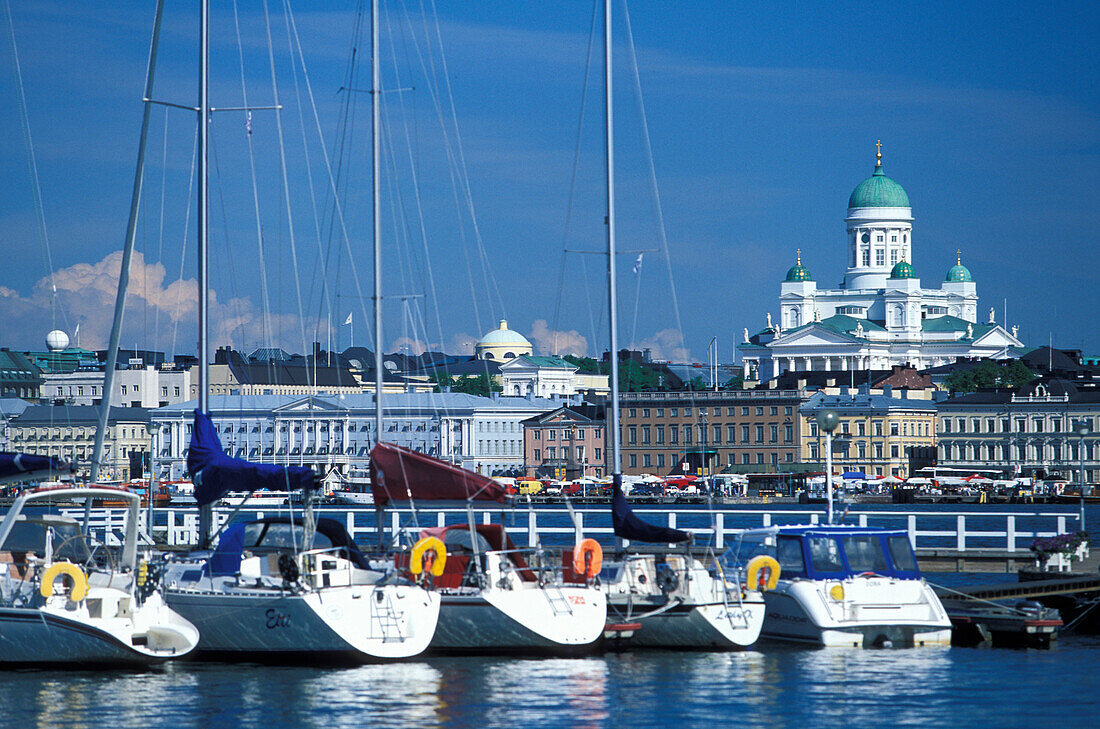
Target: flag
248,122
348,320
638,263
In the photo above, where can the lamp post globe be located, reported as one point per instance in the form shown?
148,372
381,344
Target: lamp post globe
827,420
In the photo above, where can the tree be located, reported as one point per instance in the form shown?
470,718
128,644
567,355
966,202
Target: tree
990,374
482,385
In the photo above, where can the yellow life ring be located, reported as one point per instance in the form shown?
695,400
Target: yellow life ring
429,552
80,581
587,558
755,579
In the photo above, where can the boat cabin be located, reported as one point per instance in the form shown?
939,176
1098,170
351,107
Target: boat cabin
838,552
463,547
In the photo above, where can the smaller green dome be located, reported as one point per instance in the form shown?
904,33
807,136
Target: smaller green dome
902,270
958,273
798,272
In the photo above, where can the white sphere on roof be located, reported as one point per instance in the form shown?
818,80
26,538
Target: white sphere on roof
502,343
57,340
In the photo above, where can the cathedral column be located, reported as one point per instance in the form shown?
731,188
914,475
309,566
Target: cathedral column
809,363
828,363
775,366
843,363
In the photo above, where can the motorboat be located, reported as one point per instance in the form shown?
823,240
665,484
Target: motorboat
495,597
292,589
68,599
667,598
850,586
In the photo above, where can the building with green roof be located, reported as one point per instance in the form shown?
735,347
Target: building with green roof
880,315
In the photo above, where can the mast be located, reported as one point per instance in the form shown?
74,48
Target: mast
127,254
376,112
609,143
206,513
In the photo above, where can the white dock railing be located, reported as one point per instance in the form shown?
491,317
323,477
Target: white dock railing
958,531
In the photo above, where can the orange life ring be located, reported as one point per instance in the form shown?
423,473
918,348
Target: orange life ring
766,581
587,558
430,553
80,581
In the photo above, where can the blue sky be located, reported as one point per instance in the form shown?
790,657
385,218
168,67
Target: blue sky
762,119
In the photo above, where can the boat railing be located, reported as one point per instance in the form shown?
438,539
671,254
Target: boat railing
554,527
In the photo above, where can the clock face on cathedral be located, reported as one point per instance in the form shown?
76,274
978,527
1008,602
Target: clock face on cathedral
881,314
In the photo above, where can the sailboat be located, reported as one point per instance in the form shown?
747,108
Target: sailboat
664,598
68,600
284,588
495,597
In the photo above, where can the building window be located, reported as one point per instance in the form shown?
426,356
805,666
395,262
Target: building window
551,435
645,435
599,453
774,410
660,460
687,434
880,256
731,433
759,433
760,458
660,412
866,256
645,412
537,435
660,433
774,434
744,409
537,457
632,435
673,434
788,410
788,433
744,434
744,459
894,429
878,450
759,410
633,460
894,450
717,434
646,461
633,412
687,412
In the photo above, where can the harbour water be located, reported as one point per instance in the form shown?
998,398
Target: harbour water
773,686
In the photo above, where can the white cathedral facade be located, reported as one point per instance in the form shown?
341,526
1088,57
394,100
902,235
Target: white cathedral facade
880,315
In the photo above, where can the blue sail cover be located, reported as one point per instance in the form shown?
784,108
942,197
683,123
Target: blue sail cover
25,466
216,474
629,526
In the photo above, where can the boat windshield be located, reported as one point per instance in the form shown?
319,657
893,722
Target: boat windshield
261,537
901,551
865,553
825,554
30,537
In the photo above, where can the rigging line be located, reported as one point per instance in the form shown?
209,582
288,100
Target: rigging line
344,123
297,46
286,183
573,175
415,183
265,333
648,149
176,316
431,83
32,164
163,203
487,270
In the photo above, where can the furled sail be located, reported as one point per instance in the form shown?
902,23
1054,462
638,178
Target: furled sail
29,467
629,526
216,473
399,473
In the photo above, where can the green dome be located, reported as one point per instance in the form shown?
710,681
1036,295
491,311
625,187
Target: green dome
878,191
798,272
902,270
958,273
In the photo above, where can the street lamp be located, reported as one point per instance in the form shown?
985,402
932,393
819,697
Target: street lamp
1082,428
827,420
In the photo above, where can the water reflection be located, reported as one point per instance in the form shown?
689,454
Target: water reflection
774,686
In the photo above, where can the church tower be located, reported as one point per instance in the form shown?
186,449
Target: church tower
880,229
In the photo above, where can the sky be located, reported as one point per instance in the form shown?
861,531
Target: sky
740,131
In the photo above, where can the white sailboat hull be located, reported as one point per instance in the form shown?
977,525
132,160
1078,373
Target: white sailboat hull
357,622
565,618
61,633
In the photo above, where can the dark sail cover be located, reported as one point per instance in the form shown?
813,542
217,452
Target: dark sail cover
629,526
215,474
24,466
399,473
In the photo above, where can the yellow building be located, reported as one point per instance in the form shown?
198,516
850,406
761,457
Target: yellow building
887,434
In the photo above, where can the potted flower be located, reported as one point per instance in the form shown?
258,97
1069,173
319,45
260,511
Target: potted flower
1064,548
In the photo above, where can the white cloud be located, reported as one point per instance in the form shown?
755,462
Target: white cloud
407,345
667,344
158,315
550,341
462,343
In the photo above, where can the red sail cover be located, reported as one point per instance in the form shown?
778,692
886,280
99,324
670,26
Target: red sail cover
397,473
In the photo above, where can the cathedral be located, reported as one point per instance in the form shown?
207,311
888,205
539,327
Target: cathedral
880,315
